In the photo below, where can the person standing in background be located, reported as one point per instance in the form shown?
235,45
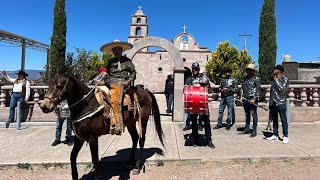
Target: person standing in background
63,115
20,93
168,92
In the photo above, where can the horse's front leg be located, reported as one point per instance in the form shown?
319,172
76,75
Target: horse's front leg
140,163
134,136
93,142
73,157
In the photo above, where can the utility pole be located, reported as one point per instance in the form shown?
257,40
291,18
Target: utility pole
245,39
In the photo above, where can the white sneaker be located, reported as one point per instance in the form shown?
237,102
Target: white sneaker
273,137
285,140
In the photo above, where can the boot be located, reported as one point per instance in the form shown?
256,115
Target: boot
210,144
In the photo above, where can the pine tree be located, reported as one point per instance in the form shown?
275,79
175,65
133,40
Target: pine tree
267,41
227,56
58,39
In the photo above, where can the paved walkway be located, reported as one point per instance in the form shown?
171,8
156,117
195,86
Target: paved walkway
32,145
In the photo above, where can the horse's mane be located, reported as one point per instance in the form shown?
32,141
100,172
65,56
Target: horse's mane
65,71
80,83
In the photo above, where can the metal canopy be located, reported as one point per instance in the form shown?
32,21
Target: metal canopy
24,42
20,40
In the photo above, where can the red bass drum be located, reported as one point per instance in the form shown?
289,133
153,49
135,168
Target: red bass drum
196,100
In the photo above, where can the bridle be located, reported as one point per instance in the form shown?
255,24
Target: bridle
52,100
58,96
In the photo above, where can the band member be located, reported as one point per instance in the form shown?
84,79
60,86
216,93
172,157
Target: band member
278,103
21,93
120,73
251,94
228,87
197,79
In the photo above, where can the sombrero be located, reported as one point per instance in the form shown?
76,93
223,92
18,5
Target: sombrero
107,48
250,66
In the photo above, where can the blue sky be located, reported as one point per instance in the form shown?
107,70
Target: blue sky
90,24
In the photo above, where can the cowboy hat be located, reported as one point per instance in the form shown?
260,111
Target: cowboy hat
23,73
107,48
250,66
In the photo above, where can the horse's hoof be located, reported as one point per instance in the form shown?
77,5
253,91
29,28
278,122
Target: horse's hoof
136,171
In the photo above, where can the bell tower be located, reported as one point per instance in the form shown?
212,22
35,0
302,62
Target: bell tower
138,27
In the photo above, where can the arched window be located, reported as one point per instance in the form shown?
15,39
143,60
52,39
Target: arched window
139,20
138,31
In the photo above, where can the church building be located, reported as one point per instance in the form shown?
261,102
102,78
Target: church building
154,66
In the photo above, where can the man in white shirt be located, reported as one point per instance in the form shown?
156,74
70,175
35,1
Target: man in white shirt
21,93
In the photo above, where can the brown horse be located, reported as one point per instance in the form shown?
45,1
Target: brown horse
82,101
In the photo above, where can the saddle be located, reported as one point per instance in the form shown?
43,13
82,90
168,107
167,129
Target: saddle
112,111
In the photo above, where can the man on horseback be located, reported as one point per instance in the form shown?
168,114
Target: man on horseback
120,73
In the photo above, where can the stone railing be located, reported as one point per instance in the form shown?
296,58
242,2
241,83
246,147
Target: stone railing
4,93
300,95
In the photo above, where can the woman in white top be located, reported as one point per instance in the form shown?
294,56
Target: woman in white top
21,93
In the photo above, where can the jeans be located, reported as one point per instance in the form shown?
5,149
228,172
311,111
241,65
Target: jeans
229,102
59,124
187,119
250,108
15,98
281,109
169,98
207,127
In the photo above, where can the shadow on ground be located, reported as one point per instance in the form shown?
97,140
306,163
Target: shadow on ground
117,166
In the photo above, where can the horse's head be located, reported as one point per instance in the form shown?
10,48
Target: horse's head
59,90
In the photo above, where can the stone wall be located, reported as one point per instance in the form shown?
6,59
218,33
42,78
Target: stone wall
291,70
308,74
153,67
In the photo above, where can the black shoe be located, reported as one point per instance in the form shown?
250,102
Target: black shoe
186,128
69,143
246,131
56,142
218,126
7,124
195,143
228,127
210,144
200,128
253,134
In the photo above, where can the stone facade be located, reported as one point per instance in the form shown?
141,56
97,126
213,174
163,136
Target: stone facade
153,67
302,72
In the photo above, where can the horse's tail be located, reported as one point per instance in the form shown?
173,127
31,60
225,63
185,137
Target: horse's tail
156,117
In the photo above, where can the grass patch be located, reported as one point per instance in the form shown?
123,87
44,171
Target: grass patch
26,166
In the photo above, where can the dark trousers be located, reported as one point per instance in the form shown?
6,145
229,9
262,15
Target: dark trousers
207,127
250,108
169,99
281,110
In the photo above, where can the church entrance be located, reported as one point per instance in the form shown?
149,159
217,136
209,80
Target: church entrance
178,70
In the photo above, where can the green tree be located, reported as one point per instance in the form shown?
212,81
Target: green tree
267,41
88,62
58,39
226,56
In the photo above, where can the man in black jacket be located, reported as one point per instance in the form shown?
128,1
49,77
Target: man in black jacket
168,92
